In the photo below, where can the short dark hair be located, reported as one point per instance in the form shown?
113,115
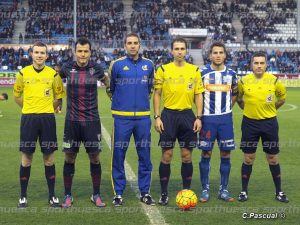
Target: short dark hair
179,39
217,44
39,44
83,41
132,35
259,54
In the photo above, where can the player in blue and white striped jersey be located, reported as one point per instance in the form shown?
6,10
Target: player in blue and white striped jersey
220,94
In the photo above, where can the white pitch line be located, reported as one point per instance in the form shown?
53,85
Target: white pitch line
152,212
293,107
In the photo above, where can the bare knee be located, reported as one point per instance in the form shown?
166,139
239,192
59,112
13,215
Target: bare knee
94,158
70,157
26,159
272,159
206,154
166,156
48,159
249,158
225,154
186,155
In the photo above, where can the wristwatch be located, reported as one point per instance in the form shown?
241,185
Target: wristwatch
156,116
198,117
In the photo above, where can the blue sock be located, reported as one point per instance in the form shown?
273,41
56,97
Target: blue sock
224,171
204,166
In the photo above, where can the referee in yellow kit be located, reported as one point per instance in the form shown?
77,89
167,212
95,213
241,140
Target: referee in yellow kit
38,91
260,95
180,84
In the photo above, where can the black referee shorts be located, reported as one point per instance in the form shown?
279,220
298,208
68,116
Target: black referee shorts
253,130
178,125
38,126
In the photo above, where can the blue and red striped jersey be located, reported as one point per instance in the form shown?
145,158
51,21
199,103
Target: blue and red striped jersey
82,97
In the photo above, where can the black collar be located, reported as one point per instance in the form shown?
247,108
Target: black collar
38,70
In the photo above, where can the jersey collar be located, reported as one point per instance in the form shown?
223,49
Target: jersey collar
139,58
225,68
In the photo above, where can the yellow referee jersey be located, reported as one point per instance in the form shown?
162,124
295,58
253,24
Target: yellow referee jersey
39,89
179,85
260,95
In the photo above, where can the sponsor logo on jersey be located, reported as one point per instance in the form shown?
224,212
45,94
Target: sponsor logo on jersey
218,87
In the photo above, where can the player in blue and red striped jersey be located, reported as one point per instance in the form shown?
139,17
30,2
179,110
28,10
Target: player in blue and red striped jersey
220,94
82,122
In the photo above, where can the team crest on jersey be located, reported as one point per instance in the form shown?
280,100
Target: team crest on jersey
190,86
73,71
92,71
226,79
125,68
47,92
145,67
269,98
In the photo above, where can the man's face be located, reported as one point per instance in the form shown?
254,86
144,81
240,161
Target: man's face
83,54
39,55
217,56
179,51
132,46
259,66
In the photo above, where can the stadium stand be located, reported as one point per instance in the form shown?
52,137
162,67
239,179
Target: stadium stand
270,22
53,19
153,19
7,18
15,59
278,61
264,24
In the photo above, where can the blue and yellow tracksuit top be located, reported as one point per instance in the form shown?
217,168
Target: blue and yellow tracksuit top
131,84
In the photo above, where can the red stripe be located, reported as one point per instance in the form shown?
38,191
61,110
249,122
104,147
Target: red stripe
96,179
81,94
90,101
51,177
68,181
72,97
24,178
189,178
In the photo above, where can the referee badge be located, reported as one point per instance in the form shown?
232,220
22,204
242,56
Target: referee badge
269,99
92,71
47,92
190,86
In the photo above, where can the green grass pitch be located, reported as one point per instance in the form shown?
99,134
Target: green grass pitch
261,188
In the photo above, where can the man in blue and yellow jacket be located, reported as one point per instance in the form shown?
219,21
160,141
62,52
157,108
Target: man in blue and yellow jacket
131,82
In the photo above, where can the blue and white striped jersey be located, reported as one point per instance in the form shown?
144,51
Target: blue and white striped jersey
219,86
